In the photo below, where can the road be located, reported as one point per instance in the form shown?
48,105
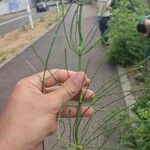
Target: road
17,69
10,23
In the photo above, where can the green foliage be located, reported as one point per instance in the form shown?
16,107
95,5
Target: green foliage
84,134
115,4
139,138
126,45
147,84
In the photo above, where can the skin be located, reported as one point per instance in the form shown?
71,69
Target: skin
147,25
31,115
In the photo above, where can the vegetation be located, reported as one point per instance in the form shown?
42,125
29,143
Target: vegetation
86,134
25,35
126,45
137,137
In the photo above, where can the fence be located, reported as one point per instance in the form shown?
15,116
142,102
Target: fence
12,6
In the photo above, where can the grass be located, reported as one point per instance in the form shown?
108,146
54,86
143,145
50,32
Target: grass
10,46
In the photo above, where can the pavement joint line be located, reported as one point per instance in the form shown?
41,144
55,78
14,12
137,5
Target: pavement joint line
28,45
126,89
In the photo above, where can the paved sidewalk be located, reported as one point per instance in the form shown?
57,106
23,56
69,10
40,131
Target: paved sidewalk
17,69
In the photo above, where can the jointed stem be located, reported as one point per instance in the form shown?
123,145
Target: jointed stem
79,115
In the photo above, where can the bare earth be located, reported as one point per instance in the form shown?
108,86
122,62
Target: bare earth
14,41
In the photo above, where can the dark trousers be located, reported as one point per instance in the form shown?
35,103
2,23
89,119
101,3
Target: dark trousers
103,24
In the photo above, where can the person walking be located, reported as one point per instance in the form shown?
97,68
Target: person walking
104,13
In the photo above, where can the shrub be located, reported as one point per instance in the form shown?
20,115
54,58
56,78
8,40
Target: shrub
139,138
126,45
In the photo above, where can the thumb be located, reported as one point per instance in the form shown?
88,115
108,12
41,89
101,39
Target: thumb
70,88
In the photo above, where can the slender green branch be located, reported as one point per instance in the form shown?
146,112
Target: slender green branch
60,121
71,29
111,118
115,128
52,74
92,36
99,40
52,44
66,61
120,98
78,119
64,26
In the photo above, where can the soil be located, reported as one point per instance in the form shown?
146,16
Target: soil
14,41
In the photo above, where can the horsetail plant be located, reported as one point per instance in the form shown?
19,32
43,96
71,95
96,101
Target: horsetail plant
82,134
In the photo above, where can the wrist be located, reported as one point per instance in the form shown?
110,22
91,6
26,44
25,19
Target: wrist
5,142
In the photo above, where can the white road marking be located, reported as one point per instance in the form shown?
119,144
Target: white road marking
15,19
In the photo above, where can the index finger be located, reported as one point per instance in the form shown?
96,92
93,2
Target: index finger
60,76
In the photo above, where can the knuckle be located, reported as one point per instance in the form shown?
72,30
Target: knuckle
69,90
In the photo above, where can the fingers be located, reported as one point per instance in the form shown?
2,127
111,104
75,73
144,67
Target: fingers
51,89
87,93
51,77
60,76
69,89
71,111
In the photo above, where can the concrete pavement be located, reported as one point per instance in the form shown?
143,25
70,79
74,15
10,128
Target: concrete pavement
17,69
11,23
7,17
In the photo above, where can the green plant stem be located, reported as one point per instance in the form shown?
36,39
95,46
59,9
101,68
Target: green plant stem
79,117
43,146
79,26
64,26
78,120
70,128
63,131
52,44
113,131
108,119
99,40
79,62
71,30
120,98
66,61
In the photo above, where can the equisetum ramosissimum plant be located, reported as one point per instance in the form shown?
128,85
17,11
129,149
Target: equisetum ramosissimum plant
92,133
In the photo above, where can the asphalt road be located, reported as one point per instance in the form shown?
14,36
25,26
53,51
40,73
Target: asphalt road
18,69
10,23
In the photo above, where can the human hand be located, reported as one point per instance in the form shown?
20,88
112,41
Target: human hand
30,115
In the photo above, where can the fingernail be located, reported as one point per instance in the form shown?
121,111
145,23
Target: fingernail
78,78
90,111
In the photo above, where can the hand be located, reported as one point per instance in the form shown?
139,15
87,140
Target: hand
30,115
